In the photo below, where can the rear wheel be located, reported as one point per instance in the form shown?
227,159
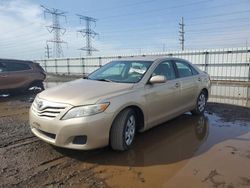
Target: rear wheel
123,130
200,104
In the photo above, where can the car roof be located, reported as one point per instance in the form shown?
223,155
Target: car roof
149,58
15,61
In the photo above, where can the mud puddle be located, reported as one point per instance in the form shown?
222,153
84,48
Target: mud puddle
190,151
185,152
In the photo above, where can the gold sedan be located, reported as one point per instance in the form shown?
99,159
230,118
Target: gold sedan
117,100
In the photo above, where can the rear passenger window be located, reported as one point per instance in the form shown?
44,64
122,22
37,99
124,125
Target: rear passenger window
183,69
194,71
16,67
165,69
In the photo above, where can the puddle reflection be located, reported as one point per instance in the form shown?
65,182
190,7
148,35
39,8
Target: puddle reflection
170,142
179,139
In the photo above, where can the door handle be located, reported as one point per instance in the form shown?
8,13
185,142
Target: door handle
199,79
3,76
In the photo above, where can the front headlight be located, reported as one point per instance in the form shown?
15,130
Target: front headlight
87,110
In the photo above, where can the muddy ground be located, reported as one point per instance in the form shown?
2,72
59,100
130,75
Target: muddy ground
208,151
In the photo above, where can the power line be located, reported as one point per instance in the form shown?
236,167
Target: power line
151,28
56,29
189,19
214,31
88,33
210,30
155,10
121,7
181,33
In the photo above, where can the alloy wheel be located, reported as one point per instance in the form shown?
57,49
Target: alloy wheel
130,130
201,102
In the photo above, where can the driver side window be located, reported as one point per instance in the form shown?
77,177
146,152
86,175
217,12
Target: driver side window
165,69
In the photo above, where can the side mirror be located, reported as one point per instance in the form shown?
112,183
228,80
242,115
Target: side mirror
157,79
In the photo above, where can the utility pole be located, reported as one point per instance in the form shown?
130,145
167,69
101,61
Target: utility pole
88,33
181,33
56,29
47,51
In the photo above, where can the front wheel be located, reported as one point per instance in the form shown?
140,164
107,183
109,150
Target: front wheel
200,104
123,130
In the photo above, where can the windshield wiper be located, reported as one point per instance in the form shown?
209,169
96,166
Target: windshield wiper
104,79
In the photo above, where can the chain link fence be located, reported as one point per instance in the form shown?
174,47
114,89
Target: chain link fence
229,69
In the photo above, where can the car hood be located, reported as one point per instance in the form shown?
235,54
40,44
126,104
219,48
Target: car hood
82,91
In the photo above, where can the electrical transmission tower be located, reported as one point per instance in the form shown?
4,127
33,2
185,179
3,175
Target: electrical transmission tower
56,29
181,33
88,33
47,51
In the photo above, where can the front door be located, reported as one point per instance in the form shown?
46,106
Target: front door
161,98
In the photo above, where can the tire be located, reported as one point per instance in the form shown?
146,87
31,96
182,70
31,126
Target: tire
200,104
123,130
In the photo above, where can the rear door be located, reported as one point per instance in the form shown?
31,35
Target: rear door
188,85
15,75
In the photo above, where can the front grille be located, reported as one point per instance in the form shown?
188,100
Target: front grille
50,135
47,109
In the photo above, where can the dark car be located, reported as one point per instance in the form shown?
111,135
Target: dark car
20,76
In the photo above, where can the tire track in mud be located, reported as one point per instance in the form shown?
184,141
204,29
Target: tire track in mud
28,162
20,142
40,164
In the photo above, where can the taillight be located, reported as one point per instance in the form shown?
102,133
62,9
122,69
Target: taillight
39,67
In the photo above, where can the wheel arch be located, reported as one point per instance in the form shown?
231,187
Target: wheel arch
205,90
140,115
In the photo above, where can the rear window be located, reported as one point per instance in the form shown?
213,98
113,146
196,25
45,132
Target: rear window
194,71
16,67
183,69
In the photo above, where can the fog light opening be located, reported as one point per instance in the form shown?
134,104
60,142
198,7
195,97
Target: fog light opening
81,139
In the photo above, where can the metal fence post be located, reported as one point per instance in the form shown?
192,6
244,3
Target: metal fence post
68,66
206,61
248,96
248,88
56,66
100,61
45,65
249,70
83,67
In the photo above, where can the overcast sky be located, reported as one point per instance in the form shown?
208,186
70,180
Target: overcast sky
124,27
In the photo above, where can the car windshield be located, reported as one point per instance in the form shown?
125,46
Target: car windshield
121,71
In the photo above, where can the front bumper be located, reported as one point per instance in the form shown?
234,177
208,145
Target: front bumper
62,132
